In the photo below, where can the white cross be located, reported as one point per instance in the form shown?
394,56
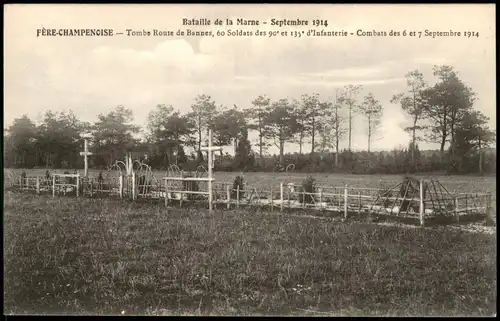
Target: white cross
85,154
210,149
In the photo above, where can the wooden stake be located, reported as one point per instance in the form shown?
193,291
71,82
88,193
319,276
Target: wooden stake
271,199
320,198
281,196
120,187
166,191
466,205
238,196
345,201
78,186
182,189
489,206
133,186
228,196
421,205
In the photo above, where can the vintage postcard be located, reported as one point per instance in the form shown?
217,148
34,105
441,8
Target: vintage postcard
250,159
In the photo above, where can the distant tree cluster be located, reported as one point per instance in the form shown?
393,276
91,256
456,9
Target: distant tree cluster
441,113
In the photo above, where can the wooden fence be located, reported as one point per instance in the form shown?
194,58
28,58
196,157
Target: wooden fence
345,200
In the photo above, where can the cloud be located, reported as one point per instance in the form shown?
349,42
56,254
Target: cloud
92,75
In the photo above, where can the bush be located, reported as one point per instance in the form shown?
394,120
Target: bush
191,186
238,183
308,186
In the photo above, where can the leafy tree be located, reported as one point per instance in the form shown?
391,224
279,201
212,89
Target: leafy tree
335,123
113,134
412,104
472,136
59,139
281,124
203,112
228,126
169,132
372,110
445,105
349,99
301,115
21,137
313,111
257,121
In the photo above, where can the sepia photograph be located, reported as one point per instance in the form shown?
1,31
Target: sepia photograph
250,160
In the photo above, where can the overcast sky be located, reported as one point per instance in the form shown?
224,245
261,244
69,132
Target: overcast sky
92,75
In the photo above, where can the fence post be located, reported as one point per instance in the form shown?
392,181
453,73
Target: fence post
466,205
238,196
421,201
228,196
271,199
185,185
345,201
78,185
133,186
53,186
281,196
489,217
359,202
320,198
455,208
166,191
120,187
38,185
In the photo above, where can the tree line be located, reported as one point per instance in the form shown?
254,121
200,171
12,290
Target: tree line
443,113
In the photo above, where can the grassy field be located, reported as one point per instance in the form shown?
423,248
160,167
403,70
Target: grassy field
106,256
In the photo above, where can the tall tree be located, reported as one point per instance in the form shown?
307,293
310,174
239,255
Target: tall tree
113,134
473,135
22,136
257,116
350,95
445,105
301,115
59,139
228,127
314,110
412,104
281,124
336,121
372,110
169,133
203,112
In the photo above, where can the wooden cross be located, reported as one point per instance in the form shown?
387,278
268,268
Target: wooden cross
85,154
210,149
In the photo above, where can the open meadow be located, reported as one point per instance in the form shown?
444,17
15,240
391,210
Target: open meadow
107,256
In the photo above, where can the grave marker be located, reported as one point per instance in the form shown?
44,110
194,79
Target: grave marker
85,154
210,149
